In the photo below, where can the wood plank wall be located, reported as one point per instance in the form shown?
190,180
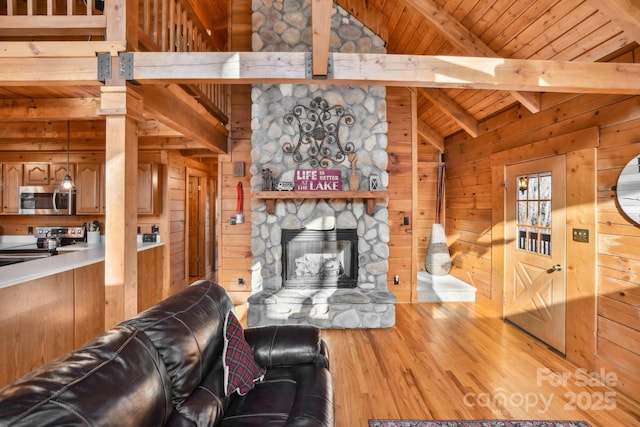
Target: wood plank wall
408,242
469,222
400,191
234,243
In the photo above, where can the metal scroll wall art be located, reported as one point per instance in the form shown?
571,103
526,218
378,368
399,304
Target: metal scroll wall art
318,134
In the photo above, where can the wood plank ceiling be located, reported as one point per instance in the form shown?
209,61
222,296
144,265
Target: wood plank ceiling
568,30
573,30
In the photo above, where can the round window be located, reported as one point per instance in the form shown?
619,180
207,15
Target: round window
628,189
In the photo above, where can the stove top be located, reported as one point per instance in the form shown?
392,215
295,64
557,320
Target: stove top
66,235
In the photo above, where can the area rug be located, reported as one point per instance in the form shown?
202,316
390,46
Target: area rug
476,423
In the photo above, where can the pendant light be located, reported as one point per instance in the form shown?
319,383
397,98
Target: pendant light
67,182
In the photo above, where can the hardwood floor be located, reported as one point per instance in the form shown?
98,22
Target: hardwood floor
455,361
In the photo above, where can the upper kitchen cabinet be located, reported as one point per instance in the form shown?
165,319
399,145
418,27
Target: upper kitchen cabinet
12,179
46,173
90,189
36,174
57,172
149,188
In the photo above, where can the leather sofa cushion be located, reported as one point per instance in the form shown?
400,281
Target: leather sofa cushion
187,331
204,408
300,396
116,379
286,345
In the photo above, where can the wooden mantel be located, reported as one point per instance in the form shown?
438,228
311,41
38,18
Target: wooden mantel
370,197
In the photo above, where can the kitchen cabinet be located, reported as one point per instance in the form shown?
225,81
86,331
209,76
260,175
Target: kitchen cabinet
90,189
12,179
46,173
149,188
57,171
150,277
36,174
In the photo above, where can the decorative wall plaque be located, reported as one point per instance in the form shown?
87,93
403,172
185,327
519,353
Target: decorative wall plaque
318,129
317,180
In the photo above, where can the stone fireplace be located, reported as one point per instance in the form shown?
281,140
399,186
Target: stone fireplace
333,280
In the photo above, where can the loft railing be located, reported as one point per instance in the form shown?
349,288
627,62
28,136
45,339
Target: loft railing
170,26
48,7
55,19
163,26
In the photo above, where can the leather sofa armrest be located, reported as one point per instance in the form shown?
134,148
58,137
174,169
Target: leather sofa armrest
287,345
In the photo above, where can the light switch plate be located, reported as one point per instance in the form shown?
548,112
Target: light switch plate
581,235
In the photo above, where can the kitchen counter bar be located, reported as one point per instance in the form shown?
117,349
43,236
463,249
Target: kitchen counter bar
69,258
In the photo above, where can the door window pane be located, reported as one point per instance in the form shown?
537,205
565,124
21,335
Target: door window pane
533,187
545,187
533,216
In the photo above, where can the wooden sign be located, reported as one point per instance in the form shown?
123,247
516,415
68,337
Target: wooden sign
317,180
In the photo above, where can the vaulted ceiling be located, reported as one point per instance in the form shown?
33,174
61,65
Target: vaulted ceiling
563,30
555,30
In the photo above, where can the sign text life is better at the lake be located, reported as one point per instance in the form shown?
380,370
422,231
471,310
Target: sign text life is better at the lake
317,180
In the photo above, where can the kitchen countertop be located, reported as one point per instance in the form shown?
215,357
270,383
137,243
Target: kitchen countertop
68,258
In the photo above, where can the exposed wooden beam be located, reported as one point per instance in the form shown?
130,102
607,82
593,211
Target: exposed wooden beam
49,109
68,49
198,153
453,110
33,71
349,68
460,37
431,136
82,132
625,13
172,144
154,128
182,114
321,11
391,70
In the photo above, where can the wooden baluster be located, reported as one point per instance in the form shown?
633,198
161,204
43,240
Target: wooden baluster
145,17
165,25
189,38
172,26
156,22
179,29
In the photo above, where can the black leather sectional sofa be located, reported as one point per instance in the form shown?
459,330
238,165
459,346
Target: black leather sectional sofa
173,365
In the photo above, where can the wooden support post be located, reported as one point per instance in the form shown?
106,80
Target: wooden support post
122,108
321,35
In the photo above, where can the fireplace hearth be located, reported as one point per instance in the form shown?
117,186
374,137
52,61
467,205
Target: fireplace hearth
315,259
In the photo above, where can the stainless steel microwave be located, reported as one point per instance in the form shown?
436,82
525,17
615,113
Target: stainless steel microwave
47,200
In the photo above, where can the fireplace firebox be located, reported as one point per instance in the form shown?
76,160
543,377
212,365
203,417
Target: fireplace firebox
319,258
